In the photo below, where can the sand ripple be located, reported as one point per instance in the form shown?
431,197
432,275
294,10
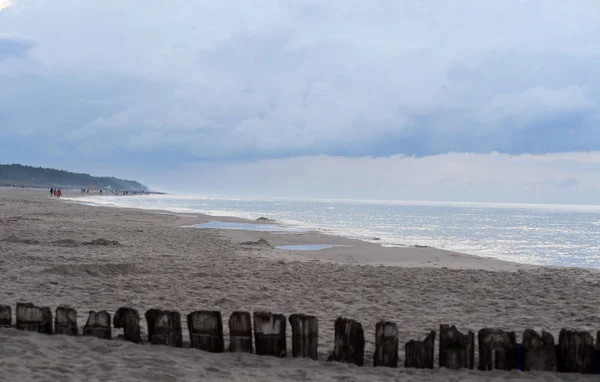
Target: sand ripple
95,270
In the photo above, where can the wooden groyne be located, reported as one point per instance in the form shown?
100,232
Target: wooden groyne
265,333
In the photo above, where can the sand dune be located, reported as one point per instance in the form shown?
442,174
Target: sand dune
160,264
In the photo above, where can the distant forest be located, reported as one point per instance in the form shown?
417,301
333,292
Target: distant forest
16,174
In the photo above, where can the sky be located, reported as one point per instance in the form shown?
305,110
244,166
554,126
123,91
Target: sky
382,99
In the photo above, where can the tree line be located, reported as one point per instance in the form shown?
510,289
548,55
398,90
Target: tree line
17,174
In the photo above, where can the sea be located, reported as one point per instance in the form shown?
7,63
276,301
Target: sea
542,234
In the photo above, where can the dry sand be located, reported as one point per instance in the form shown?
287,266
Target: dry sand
154,262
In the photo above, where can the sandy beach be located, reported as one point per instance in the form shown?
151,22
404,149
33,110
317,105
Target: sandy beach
155,262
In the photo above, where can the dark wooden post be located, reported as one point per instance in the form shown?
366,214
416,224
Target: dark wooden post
419,354
386,344
129,320
151,316
597,352
597,364
240,332
349,345
206,331
539,352
98,325
5,316
575,352
48,325
65,321
34,319
457,350
497,349
269,334
305,336
166,328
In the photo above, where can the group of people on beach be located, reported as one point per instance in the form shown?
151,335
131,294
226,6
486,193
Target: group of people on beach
56,192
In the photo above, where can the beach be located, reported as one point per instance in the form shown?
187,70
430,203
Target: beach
50,255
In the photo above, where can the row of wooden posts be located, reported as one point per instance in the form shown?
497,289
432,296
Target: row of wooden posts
498,349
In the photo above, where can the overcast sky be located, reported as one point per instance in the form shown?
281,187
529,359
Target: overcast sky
338,98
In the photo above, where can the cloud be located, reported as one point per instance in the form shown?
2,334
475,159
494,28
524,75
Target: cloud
549,178
241,81
521,109
567,183
13,46
5,4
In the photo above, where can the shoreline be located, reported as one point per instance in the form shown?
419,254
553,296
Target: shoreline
346,250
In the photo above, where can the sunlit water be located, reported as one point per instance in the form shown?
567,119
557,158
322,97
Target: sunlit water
534,234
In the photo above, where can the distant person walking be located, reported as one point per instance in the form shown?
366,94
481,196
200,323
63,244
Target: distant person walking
58,193
52,191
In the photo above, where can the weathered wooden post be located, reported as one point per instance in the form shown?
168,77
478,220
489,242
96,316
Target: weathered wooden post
419,354
386,344
5,316
98,325
597,365
206,331
151,316
269,334
65,321
164,327
34,319
349,345
539,352
496,349
575,352
305,336
240,332
129,320
457,350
